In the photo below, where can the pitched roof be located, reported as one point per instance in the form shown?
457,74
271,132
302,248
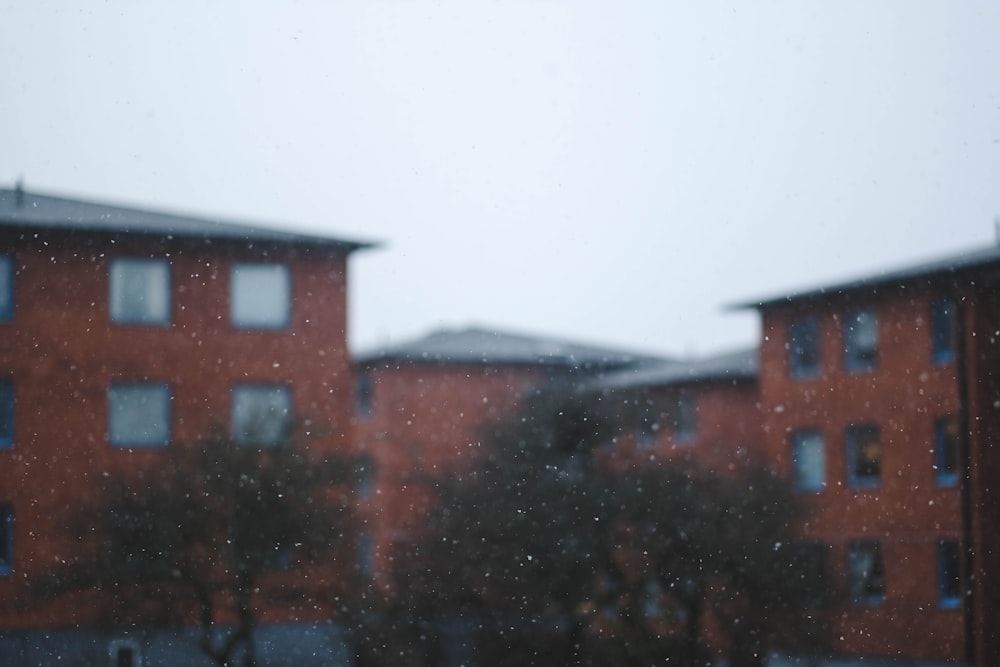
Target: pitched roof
951,265
490,346
736,365
19,208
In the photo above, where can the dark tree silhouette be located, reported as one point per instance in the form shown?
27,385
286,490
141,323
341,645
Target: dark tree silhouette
696,548
208,536
544,537
514,542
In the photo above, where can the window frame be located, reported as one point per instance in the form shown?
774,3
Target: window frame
797,440
685,419
6,413
241,435
647,433
162,436
947,466
943,319
803,339
364,395
6,540
877,573
239,291
117,281
949,566
852,443
6,287
859,358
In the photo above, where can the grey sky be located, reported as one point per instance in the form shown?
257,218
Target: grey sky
611,172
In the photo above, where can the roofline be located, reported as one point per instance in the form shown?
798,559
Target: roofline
736,366
555,361
538,351
215,228
953,265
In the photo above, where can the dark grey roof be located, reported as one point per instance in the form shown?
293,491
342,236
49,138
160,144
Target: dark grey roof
490,346
738,365
19,208
951,265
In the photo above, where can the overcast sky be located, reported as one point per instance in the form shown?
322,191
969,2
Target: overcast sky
606,172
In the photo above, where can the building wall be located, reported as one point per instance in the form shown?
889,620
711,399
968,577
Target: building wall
61,350
979,363
907,511
725,431
426,419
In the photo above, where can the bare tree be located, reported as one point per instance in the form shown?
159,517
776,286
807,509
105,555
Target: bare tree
210,535
544,537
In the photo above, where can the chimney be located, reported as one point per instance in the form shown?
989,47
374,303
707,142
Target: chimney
19,192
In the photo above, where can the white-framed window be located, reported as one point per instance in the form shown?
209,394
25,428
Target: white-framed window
647,432
803,347
260,296
6,540
946,451
261,414
949,574
860,332
6,413
685,418
6,288
138,414
124,653
364,395
866,572
944,323
808,461
140,291
863,452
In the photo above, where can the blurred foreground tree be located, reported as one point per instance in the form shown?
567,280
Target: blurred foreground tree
210,536
627,566
515,542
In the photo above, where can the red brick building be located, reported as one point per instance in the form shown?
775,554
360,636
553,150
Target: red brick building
422,407
704,409
124,330
879,398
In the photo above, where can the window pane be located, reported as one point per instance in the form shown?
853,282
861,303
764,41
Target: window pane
866,572
949,574
261,414
685,419
946,451
942,330
6,287
803,347
808,461
646,436
139,414
364,395
6,413
860,340
864,456
260,296
140,291
6,540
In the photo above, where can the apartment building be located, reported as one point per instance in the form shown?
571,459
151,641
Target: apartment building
422,407
879,399
124,331
702,409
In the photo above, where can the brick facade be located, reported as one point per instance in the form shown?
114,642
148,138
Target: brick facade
929,379
63,350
